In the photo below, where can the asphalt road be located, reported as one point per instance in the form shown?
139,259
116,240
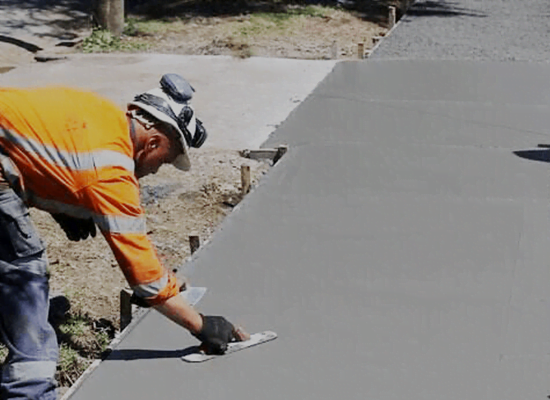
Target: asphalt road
482,30
400,249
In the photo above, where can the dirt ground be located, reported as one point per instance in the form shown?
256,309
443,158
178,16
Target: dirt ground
316,33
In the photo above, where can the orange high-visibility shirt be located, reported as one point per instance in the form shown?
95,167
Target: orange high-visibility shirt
73,154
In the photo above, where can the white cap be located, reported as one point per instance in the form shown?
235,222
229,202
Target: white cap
167,110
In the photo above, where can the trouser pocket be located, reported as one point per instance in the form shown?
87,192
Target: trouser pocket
18,237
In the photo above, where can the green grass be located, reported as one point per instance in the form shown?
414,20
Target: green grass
80,344
70,359
70,366
307,11
76,325
258,23
136,26
102,41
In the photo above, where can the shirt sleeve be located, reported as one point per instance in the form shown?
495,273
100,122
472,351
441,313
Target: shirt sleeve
114,200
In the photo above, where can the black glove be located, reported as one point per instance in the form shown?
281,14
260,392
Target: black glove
215,334
76,228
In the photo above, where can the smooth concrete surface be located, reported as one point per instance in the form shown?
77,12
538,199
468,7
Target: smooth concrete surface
400,249
239,101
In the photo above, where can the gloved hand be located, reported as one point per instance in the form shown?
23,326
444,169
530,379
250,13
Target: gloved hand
215,334
76,228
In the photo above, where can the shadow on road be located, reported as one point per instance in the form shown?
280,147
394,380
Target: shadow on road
20,43
441,9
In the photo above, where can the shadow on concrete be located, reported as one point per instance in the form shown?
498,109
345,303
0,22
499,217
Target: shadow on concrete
541,155
20,43
139,354
441,9
57,19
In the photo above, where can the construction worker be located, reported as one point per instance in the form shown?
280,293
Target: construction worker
78,156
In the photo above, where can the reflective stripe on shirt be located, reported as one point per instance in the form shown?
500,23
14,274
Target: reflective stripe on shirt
150,289
73,161
121,224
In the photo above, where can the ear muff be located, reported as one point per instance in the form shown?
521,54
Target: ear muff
194,139
169,104
200,134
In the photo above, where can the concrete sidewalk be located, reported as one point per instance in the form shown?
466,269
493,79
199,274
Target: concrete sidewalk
240,101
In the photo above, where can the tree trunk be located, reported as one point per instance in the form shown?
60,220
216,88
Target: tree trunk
110,15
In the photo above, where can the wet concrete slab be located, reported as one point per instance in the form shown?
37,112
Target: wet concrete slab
400,249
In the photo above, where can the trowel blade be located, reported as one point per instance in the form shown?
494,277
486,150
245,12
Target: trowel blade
193,294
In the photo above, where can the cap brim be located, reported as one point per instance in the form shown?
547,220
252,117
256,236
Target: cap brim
182,162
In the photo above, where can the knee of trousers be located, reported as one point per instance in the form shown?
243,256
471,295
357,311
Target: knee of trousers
26,371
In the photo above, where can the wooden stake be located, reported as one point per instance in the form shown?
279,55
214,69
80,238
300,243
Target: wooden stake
245,179
361,50
194,243
125,308
334,50
392,17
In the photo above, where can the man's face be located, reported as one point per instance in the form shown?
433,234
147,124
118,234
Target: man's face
158,150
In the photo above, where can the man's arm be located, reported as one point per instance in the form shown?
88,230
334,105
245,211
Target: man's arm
176,309
121,219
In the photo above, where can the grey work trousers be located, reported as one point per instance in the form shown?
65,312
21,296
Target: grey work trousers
24,328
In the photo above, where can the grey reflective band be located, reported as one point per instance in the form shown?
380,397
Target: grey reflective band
105,158
31,370
150,289
121,224
54,206
73,161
